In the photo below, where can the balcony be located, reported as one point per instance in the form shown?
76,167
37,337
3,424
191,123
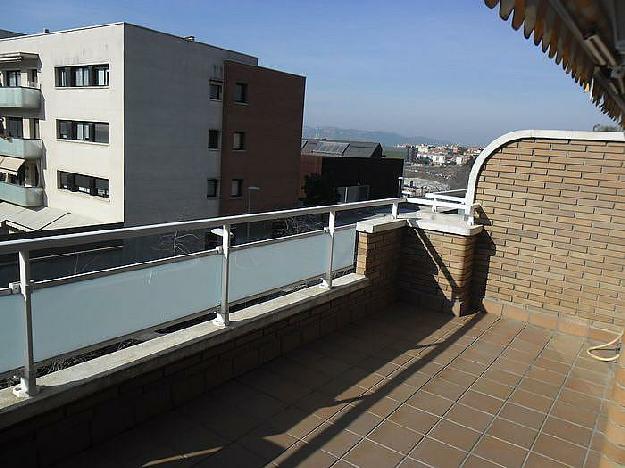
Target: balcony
455,331
29,197
20,98
21,148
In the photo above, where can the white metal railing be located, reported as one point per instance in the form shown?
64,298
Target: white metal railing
442,200
456,195
26,285
223,280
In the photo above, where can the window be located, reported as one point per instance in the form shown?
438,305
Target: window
213,139
83,131
87,75
211,188
97,132
240,92
101,187
34,129
33,77
82,183
66,180
62,76
215,91
237,188
239,141
64,129
101,75
94,186
15,127
13,78
81,76
101,132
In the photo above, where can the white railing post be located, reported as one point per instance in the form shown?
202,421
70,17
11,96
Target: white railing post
327,282
470,214
223,317
28,382
395,210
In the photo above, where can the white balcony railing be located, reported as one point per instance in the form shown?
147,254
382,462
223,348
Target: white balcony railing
44,319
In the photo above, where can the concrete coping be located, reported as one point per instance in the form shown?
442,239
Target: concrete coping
428,221
385,223
73,383
446,223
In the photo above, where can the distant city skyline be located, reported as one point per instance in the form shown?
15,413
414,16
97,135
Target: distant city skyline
448,70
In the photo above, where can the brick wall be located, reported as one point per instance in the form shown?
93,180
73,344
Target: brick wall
436,270
272,121
133,396
554,238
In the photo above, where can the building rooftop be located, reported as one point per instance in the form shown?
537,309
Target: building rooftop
341,148
190,39
410,388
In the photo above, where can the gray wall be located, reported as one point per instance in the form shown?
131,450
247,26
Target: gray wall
167,116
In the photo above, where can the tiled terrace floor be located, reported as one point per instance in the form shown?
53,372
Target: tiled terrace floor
401,389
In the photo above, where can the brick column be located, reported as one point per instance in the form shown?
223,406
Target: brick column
378,257
613,452
436,270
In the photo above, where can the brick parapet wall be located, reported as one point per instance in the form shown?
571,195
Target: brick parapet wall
554,238
92,418
436,270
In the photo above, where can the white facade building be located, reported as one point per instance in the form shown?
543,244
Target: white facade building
96,125
438,159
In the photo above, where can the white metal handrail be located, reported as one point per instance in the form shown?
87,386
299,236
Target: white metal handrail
448,195
68,240
23,247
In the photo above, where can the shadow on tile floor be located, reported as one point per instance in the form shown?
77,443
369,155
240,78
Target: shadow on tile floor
402,388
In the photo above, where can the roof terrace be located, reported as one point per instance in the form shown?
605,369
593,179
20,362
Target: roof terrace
450,332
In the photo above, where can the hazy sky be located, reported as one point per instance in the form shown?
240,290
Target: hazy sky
441,68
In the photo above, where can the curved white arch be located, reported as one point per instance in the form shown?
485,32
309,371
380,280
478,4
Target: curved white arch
521,134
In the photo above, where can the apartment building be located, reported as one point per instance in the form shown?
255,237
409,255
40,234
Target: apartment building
120,123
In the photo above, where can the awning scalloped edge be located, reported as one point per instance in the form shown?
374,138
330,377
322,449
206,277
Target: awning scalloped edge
550,32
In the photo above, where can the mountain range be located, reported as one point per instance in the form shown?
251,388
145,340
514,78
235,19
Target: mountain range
385,138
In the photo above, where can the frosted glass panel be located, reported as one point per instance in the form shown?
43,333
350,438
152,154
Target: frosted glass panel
344,248
82,313
259,269
74,315
12,338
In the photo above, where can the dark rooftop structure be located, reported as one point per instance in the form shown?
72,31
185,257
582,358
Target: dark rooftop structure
342,148
4,34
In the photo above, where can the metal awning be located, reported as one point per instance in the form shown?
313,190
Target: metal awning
42,218
10,165
587,38
14,57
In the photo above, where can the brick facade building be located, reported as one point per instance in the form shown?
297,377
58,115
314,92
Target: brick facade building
269,156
